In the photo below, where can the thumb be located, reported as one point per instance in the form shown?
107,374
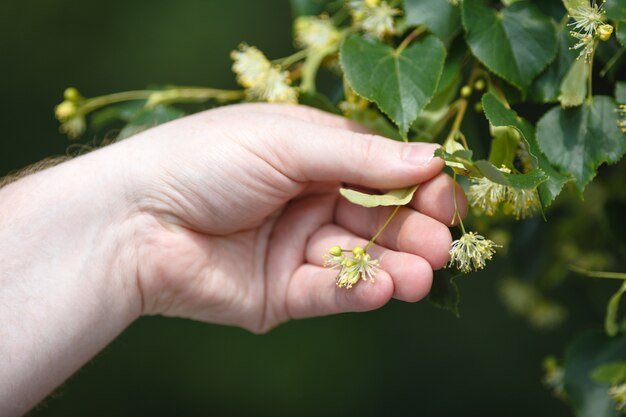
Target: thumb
325,153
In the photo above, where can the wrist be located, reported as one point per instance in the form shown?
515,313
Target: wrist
67,286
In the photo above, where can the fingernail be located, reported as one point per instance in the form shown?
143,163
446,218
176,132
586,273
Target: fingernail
420,153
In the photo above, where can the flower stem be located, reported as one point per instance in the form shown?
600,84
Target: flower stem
456,215
287,61
372,240
155,97
94,103
590,76
598,274
410,37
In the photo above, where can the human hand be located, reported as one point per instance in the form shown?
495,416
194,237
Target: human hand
235,207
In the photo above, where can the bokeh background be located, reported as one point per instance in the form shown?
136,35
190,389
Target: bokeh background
404,359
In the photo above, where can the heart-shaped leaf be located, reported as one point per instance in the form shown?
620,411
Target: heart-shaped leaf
392,198
400,82
516,43
440,17
580,139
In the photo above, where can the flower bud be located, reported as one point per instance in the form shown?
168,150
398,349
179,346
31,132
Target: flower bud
605,32
358,251
335,250
65,110
479,85
466,91
71,94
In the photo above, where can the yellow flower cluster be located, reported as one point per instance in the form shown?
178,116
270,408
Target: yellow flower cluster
471,252
487,196
374,16
262,80
316,32
70,114
588,25
352,269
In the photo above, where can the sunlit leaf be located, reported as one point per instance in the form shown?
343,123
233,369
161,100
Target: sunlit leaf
392,198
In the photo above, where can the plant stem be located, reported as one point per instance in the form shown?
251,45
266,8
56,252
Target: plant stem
192,94
590,75
372,240
410,37
184,94
287,61
598,274
456,208
94,103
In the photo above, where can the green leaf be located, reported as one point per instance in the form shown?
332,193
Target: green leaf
580,139
574,85
400,83
499,115
503,146
516,42
586,353
610,373
546,87
148,118
441,17
392,198
620,92
124,112
376,121
529,180
616,10
611,326
307,7
444,292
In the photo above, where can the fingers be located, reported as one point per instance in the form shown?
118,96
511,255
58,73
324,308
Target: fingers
306,151
435,198
312,290
409,231
300,112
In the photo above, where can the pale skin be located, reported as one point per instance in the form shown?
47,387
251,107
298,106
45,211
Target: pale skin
222,217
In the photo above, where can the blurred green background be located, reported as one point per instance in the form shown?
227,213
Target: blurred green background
401,360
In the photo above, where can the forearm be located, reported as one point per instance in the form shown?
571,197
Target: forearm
66,285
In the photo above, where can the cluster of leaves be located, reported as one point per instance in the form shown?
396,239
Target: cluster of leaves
507,88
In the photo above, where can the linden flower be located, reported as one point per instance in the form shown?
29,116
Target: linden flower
374,16
359,266
486,195
274,88
262,81
587,18
249,64
522,203
471,252
72,119
618,394
315,32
